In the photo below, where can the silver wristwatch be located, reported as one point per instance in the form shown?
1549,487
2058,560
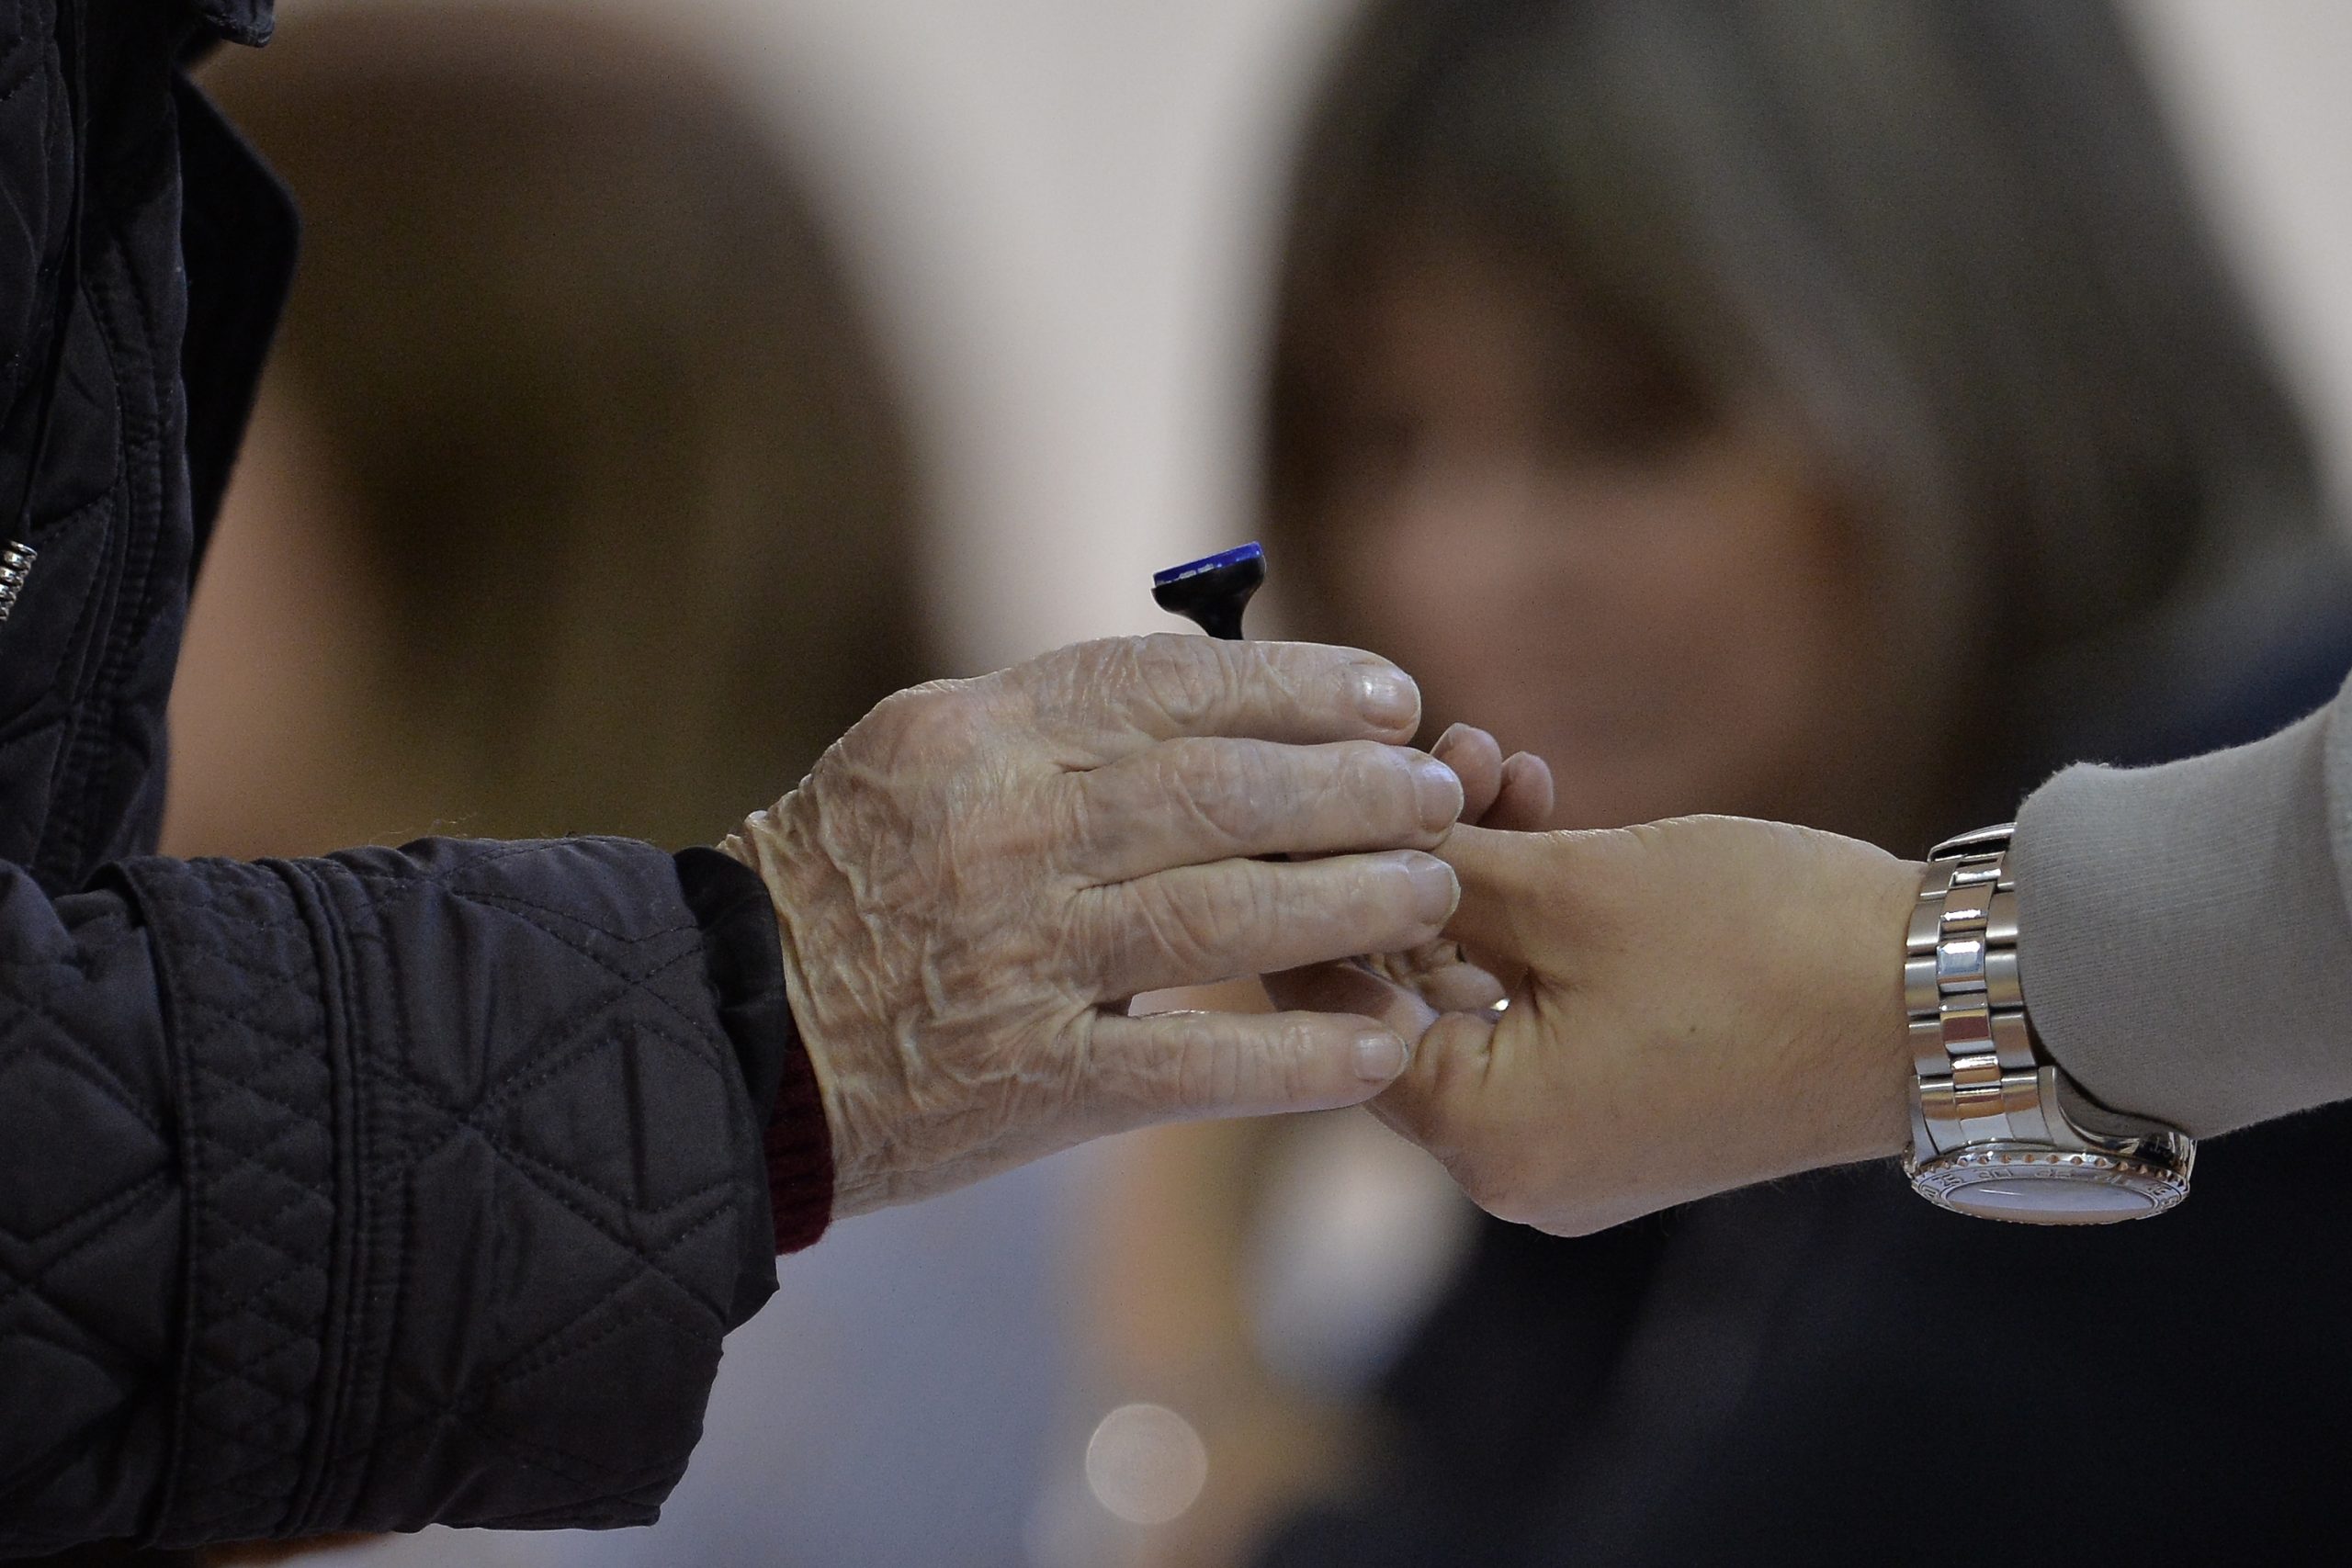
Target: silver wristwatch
1996,1130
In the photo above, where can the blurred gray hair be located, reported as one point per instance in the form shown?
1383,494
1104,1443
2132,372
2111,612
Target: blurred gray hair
1952,240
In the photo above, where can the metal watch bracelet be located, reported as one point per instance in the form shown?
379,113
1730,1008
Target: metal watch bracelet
1991,1135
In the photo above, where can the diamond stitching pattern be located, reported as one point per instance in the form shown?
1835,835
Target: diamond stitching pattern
87,1200
324,1254
649,1271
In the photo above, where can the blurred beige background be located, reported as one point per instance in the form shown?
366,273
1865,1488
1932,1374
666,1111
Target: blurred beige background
1063,208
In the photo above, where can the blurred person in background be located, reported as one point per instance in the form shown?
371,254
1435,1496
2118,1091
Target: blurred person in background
564,318
1691,391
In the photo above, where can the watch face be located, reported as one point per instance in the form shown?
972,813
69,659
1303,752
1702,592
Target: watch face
2039,1186
2045,1202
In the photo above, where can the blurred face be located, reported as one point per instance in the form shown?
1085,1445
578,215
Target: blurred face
1533,516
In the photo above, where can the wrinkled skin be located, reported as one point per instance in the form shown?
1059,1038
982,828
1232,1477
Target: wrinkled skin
1695,1005
971,883
1513,793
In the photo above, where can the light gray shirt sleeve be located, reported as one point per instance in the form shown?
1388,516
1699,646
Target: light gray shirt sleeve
2184,939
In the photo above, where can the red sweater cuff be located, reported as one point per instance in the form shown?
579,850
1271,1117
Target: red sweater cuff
800,1153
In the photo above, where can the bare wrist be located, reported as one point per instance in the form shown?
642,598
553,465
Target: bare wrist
1880,1045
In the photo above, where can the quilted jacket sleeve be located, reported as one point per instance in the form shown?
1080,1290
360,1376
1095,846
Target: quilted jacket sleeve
367,1192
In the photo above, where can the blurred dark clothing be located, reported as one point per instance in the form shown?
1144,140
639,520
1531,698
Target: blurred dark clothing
358,1193
1831,1371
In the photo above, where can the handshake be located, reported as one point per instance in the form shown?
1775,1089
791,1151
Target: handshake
973,884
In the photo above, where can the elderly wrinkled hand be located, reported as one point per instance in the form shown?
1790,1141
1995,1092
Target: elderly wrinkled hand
971,883
1695,1005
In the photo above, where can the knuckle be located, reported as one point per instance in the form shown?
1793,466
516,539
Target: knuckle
1229,903
1381,784
1082,666
1242,900
1193,927
1385,892
1187,680
1223,786
1206,1074
1062,690
942,720
1296,1067
1323,911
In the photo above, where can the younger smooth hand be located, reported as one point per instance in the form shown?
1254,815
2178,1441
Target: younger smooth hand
1695,1005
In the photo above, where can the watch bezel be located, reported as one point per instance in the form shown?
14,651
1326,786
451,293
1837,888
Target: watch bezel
2156,1168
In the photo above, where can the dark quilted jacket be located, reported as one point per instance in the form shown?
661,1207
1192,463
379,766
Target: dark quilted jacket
354,1193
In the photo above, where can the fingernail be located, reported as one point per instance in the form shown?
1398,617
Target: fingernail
1438,794
1386,695
1380,1056
1454,732
1435,891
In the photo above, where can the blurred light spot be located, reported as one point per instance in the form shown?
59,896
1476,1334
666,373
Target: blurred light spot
1145,1464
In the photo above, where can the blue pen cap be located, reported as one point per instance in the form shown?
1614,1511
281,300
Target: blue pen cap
1213,591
